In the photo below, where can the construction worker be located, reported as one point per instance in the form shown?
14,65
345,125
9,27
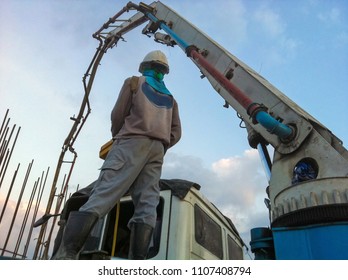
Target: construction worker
144,124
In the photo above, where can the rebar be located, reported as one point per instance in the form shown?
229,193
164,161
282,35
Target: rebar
7,146
25,220
8,156
3,126
17,206
9,192
42,183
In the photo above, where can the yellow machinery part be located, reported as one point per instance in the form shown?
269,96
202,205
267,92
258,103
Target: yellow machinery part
105,149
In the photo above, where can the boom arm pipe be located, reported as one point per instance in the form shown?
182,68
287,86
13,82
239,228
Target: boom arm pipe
256,111
273,126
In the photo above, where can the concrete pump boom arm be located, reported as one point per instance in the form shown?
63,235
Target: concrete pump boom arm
296,136
286,125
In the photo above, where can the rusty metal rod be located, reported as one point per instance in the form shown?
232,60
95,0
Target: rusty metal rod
3,122
25,219
5,156
42,185
7,142
4,143
17,206
9,157
3,133
9,192
26,245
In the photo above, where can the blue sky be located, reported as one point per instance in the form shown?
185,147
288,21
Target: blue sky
46,47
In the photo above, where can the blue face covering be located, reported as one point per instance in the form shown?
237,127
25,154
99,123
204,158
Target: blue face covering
155,80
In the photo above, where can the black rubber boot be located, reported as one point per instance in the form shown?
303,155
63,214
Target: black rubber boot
75,234
140,239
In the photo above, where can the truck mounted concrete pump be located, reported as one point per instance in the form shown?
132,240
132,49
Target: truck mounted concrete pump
308,173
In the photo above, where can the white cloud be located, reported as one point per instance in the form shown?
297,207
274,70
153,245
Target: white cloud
278,47
236,185
10,228
342,39
331,16
270,21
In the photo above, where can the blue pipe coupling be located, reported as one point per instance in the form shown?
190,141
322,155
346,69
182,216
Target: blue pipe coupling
273,126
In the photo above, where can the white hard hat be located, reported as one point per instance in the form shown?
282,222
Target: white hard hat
157,58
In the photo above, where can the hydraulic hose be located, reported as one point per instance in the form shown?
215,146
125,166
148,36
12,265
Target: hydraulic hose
256,111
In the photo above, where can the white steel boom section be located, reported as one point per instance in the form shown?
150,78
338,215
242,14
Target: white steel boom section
242,76
309,142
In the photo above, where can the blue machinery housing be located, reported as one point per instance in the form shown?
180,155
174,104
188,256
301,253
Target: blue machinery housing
318,242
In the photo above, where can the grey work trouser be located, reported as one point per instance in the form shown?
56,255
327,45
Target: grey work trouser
132,164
